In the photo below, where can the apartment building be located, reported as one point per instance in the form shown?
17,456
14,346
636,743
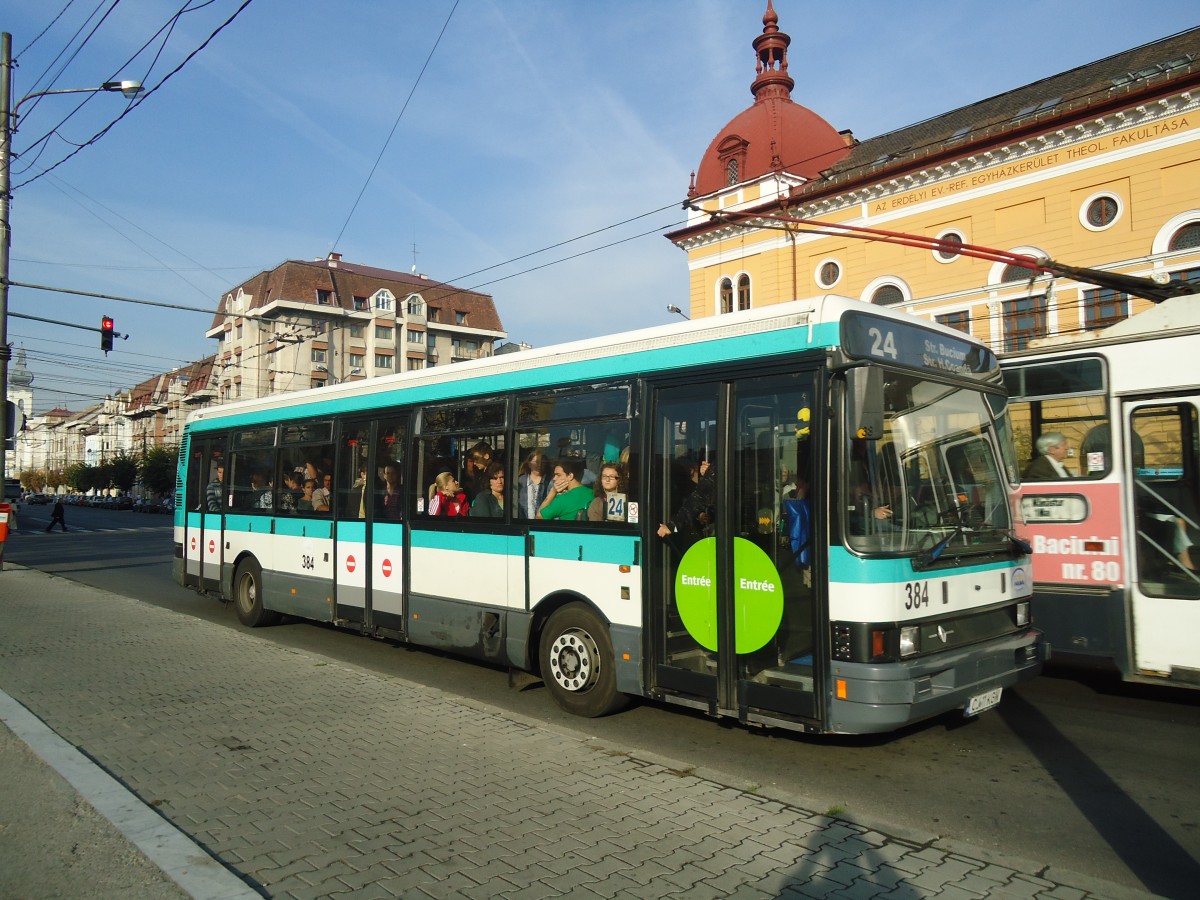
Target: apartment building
308,324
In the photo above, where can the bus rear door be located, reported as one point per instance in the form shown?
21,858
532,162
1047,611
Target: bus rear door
205,495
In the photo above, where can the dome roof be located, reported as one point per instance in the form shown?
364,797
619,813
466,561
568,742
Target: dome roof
776,133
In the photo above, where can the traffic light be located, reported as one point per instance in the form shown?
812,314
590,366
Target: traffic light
106,333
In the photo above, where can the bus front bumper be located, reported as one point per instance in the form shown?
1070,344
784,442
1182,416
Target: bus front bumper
873,698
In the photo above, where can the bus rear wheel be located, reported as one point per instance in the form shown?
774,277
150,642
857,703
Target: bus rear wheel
577,663
248,596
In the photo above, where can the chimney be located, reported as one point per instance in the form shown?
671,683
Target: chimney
333,259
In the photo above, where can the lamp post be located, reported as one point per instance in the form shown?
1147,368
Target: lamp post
672,308
8,124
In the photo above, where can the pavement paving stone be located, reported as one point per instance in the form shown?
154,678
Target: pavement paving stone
316,778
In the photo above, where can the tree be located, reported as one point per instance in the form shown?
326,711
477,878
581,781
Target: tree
158,469
123,471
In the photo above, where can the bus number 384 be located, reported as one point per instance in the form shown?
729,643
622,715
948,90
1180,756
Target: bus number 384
918,594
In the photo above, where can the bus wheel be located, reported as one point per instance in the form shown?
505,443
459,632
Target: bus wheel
577,663
248,596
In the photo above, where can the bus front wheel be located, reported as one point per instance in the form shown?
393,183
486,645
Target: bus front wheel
577,663
248,596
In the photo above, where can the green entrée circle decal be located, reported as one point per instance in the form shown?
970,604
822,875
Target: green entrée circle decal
757,594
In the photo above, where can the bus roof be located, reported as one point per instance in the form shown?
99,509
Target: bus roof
748,334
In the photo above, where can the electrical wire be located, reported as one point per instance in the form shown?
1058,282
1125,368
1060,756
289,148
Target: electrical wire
396,124
140,99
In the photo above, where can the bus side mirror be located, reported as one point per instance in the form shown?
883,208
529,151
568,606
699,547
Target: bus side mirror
864,389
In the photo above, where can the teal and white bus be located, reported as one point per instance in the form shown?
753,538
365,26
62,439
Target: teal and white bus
800,517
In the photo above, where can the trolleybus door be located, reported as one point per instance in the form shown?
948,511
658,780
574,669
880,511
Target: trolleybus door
1165,588
732,580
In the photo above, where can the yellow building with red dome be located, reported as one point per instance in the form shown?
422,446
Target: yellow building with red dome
1096,167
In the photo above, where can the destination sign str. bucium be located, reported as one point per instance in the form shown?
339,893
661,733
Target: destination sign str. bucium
945,357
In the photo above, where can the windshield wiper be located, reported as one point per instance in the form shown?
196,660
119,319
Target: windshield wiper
934,553
930,556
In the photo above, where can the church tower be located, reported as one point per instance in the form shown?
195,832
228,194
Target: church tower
762,154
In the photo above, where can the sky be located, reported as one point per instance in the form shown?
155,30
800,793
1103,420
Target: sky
534,150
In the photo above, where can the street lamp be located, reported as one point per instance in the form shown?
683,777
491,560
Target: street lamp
8,124
672,308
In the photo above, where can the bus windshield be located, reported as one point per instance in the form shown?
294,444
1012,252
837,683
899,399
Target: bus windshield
931,477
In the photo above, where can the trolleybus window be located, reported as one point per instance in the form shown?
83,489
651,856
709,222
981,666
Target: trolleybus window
1066,396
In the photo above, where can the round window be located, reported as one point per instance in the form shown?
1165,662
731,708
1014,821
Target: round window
947,251
829,273
1101,211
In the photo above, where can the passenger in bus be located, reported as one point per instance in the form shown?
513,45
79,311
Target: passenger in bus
787,484
475,468
571,496
533,484
612,482
1052,450
260,491
292,491
214,493
304,503
696,513
449,499
389,498
491,504
320,495
797,520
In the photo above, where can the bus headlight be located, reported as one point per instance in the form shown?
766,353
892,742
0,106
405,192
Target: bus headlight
1022,613
908,640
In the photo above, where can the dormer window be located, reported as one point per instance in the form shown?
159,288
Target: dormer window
460,318
324,298
732,153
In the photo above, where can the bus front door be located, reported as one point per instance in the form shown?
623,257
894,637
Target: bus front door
731,575
1164,478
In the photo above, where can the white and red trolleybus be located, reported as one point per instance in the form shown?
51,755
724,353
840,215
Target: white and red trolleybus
1116,561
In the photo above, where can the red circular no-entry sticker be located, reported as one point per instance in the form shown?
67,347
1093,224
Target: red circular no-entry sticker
387,568
349,563
212,546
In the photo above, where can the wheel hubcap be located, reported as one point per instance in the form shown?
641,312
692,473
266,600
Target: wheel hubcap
574,660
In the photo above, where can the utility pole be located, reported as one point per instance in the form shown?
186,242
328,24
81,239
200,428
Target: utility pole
5,235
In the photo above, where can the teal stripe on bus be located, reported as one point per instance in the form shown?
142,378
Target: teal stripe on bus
615,549
469,542
352,531
846,568
310,528
759,346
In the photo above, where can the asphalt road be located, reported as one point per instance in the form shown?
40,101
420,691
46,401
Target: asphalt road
1074,769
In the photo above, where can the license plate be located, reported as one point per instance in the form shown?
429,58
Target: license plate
980,702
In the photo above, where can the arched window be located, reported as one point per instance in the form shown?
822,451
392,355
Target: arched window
726,295
1186,238
731,172
1015,273
744,292
887,295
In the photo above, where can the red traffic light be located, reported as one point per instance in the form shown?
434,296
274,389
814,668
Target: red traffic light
106,333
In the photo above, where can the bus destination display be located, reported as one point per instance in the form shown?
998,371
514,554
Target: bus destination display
907,344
